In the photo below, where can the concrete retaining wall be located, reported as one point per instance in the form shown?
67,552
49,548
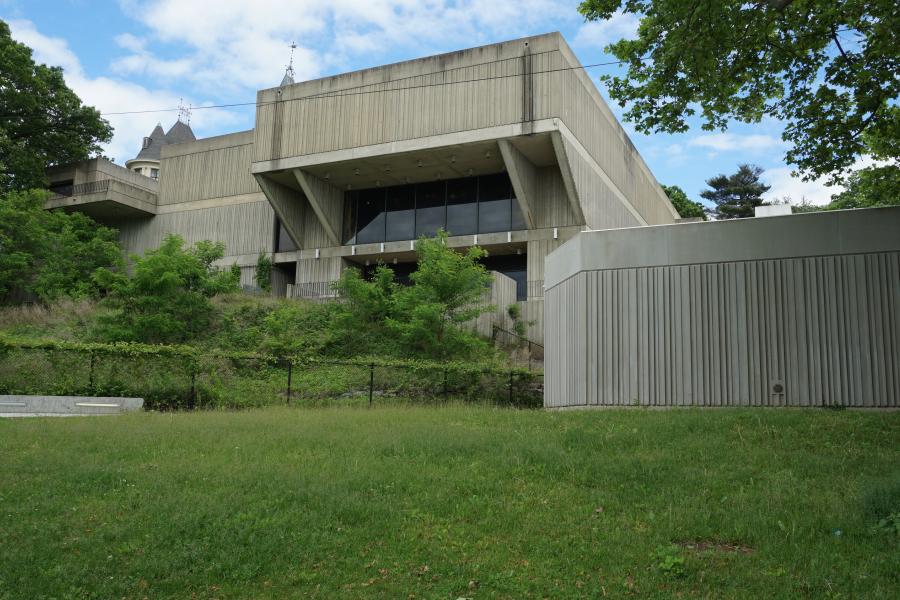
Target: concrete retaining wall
800,310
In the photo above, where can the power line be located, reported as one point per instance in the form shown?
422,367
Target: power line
360,92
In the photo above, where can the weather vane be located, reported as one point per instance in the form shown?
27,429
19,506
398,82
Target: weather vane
290,67
184,112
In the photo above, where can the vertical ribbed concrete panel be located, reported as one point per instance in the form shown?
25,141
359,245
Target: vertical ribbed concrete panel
244,228
794,331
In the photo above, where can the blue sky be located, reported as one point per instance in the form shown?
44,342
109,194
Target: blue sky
122,55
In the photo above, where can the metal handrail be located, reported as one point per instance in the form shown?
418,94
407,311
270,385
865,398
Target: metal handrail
91,187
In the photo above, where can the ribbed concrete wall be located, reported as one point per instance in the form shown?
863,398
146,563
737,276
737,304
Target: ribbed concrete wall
245,228
665,321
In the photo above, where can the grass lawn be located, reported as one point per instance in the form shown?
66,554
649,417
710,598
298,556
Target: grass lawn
447,503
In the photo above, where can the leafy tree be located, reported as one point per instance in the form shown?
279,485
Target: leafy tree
21,237
448,290
869,187
264,272
424,319
686,207
166,298
735,196
43,122
50,254
828,69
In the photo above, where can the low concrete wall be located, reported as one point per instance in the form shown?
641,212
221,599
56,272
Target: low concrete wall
66,405
799,310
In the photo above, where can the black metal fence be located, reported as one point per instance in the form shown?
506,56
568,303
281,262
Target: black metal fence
174,382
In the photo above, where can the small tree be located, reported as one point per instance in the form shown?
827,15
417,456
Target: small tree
264,272
448,290
735,196
686,207
166,298
423,319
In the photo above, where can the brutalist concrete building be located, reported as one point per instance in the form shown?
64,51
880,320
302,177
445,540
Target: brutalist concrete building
507,146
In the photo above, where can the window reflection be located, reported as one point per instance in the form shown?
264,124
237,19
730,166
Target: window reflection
462,212
401,213
460,206
429,208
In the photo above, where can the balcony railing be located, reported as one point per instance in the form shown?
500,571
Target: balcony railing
312,290
91,187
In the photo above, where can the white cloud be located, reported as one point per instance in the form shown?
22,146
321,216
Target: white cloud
112,95
600,34
234,45
730,142
817,191
784,185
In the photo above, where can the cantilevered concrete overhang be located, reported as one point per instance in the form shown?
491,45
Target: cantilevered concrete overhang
317,182
102,190
107,200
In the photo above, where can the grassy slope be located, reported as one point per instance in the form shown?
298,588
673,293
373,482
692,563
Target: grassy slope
443,503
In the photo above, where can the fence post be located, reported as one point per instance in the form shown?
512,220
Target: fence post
193,388
371,382
91,374
290,369
445,385
510,397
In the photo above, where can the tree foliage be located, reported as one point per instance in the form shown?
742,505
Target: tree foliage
827,69
50,254
686,207
424,319
735,196
264,272
166,297
43,122
869,188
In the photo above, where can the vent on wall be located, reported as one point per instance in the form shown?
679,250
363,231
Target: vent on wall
776,390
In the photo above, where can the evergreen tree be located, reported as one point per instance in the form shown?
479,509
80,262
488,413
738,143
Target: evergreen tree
736,195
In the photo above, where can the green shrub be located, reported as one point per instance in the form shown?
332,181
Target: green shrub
425,319
264,272
51,254
166,298
669,560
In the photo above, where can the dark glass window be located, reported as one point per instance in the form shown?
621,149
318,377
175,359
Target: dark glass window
462,211
493,203
283,241
518,219
349,229
460,206
429,208
401,213
370,217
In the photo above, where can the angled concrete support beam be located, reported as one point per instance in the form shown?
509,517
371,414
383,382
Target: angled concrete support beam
326,201
523,175
288,205
565,168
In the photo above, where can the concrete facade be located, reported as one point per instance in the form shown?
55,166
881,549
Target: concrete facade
292,186
799,310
